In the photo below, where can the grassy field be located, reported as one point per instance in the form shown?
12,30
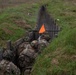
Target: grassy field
10,3
59,58
16,20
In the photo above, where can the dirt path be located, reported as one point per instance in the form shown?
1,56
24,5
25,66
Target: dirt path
8,3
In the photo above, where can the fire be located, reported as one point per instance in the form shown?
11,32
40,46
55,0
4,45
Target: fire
42,29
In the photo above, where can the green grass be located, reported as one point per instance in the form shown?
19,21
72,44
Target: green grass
59,58
9,29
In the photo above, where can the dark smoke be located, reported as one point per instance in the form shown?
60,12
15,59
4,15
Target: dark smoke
47,20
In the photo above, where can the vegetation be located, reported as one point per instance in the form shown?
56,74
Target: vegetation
59,58
15,21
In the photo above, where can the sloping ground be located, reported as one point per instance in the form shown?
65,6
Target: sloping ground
8,3
60,56
15,21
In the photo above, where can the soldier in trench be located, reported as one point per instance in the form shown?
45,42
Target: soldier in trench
26,56
28,52
7,67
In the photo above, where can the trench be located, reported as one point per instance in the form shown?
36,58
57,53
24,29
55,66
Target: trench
24,51
30,57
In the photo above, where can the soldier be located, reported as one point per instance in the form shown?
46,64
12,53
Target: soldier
9,55
42,43
46,36
26,57
8,68
34,45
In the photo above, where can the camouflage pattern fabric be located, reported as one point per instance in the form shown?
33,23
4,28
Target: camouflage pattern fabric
8,68
26,57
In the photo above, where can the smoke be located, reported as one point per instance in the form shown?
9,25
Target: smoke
45,18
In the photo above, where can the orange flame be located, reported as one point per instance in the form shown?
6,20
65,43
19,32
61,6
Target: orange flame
42,29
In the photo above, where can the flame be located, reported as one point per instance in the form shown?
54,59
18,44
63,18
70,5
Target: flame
42,29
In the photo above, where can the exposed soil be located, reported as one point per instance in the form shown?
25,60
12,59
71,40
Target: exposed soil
7,31
7,3
22,24
71,1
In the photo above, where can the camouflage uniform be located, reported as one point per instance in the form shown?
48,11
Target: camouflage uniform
42,43
1,54
46,36
8,68
34,45
26,57
39,44
9,55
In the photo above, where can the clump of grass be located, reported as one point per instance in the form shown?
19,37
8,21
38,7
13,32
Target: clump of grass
24,12
2,33
62,51
59,58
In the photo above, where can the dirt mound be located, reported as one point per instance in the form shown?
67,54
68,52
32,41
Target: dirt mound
8,3
22,24
7,31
